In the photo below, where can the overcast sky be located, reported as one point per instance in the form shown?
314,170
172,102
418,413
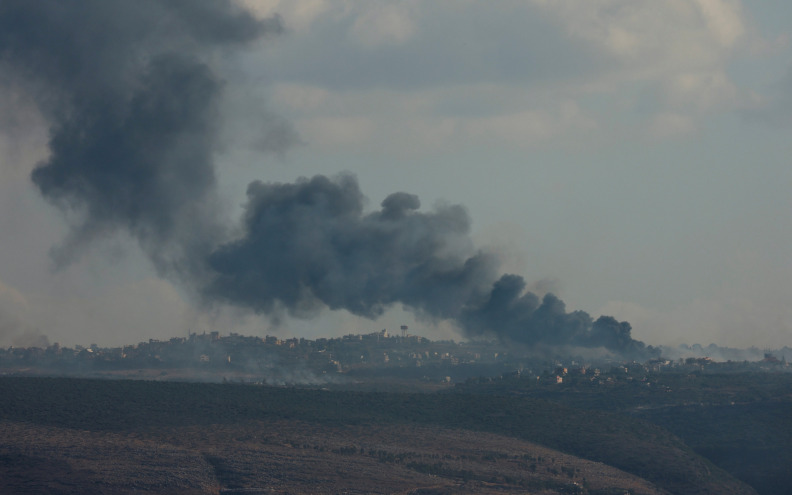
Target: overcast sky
630,156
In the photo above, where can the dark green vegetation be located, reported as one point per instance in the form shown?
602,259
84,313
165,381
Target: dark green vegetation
741,421
751,441
136,407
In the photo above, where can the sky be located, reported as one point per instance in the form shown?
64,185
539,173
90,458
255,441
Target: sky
630,157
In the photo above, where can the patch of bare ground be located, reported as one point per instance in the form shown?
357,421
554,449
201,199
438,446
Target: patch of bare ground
47,460
293,457
299,457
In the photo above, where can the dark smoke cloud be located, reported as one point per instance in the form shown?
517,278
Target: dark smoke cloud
133,111
310,244
133,105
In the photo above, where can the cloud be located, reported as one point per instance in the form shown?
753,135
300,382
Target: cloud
442,74
434,120
413,46
384,23
664,35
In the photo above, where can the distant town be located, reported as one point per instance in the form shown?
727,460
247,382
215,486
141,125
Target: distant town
375,357
698,419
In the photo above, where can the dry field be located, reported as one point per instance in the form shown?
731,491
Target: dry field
293,457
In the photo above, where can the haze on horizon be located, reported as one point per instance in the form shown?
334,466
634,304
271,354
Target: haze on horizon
630,157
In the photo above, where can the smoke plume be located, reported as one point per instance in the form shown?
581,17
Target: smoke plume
310,244
132,105
132,101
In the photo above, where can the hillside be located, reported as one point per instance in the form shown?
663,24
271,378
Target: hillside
738,420
114,436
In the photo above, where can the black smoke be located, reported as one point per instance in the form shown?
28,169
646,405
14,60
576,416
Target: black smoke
517,315
310,245
133,102
133,111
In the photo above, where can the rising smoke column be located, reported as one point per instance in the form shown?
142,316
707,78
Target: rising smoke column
310,244
133,105
133,112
